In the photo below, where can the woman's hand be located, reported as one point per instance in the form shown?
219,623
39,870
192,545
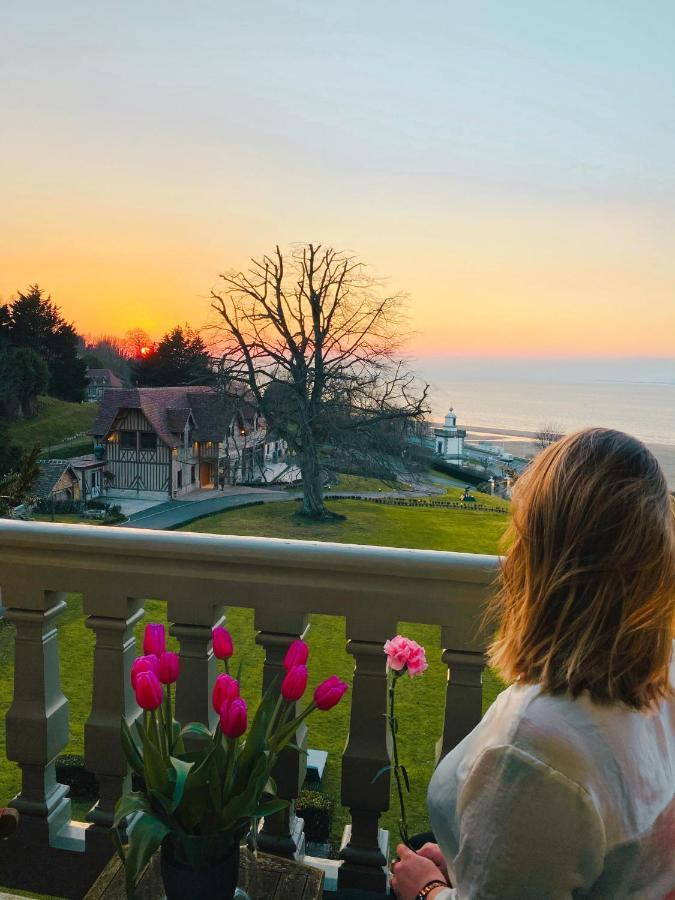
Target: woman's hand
433,852
411,872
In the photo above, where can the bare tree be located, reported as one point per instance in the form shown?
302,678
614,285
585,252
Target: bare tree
548,433
318,341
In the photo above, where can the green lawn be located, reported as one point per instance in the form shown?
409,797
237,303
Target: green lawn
362,484
56,421
366,523
420,701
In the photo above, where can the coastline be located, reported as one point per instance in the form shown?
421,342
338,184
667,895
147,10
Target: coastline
523,444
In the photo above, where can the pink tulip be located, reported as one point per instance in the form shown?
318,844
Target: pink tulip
154,639
225,690
144,664
294,683
329,693
233,718
222,643
405,654
296,655
169,667
149,691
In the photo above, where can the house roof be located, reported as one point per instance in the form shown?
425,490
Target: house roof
50,472
88,461
104,376
167,409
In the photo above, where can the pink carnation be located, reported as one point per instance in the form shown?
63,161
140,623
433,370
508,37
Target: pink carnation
405,654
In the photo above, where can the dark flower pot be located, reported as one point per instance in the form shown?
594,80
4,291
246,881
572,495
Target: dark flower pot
216,882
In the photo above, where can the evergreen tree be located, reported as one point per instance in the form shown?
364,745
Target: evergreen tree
23,376
180,358
34,321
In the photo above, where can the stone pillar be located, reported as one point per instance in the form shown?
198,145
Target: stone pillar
282,833
37,721
112,619
463,697
198,668
365,846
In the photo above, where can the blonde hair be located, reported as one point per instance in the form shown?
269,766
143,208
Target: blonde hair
587,591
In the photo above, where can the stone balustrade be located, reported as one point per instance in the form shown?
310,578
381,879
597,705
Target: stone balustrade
198,576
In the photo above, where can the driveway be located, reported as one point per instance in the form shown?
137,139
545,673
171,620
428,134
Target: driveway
174,513
178,512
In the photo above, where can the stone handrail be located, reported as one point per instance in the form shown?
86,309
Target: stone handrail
198,575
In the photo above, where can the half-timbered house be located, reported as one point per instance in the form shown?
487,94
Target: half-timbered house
161,442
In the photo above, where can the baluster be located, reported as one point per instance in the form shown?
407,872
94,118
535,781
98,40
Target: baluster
37,721
112,619
365,846
463,695
283,833
193,623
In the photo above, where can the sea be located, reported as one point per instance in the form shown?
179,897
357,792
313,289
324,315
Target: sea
636,396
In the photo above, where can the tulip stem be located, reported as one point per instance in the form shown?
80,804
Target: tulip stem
168,721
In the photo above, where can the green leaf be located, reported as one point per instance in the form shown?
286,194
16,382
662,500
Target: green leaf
270,807
196,729
182,770
161,808
379,773
154,768
145,837
130,803
131,749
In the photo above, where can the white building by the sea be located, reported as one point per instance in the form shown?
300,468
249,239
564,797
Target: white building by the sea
450,439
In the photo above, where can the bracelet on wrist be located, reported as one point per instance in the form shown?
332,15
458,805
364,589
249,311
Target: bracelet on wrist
428,888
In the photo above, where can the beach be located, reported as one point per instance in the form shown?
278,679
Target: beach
523,444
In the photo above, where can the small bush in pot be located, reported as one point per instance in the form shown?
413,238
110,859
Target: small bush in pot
196,802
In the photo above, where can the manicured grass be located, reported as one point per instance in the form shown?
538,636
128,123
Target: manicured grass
362,484
455,494
68,450
56,421
420,702
464,531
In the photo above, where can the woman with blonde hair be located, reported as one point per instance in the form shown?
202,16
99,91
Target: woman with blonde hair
566,788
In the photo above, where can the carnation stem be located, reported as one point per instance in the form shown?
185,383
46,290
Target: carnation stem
403,823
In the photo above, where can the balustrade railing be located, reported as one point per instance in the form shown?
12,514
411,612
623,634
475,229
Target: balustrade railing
198,576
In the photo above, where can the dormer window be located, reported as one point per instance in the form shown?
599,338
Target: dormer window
128,440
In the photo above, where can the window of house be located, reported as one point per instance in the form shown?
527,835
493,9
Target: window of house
179,479
193,474
128,440
148,440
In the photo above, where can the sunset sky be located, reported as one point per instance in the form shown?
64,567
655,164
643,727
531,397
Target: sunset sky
511,165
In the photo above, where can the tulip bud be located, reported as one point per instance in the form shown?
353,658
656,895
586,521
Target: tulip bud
329,693
144,664
149,691
225,690
222,643
294,683
233,718
154,639
169,667
296,655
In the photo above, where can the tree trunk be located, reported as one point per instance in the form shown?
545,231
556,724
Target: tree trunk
312,484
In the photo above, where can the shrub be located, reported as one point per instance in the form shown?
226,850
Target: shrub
70,770
317,811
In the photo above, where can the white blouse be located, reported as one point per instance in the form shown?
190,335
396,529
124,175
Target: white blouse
550,797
